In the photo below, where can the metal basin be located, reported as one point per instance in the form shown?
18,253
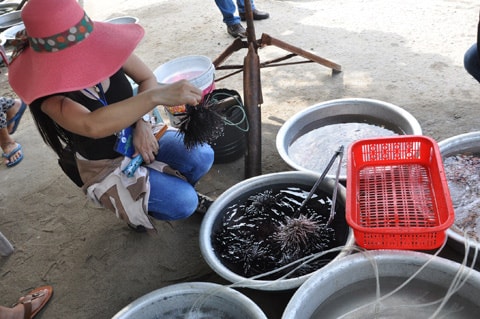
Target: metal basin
348,286
10,19
468,143
123,20
254,185
355,110
9,6
192,300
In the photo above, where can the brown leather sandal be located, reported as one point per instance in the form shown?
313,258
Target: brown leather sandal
32,295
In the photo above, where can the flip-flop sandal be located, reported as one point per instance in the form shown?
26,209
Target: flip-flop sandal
9,155
16,119
32,295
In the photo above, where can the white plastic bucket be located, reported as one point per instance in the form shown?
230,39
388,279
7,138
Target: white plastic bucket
197,69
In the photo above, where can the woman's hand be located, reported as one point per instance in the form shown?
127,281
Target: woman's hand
145,142
178,93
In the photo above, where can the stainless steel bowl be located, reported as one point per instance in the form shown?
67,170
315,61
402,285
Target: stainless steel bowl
192,300
350,283
123,20
352,110
10,19
255,185
460,144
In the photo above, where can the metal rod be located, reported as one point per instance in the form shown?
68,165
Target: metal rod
268,40
252,99
335,190
320,179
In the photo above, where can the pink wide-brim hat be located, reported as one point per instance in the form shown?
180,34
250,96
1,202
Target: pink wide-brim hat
86,52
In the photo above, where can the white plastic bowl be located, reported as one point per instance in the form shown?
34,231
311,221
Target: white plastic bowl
197,69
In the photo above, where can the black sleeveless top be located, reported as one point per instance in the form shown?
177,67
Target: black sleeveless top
102,148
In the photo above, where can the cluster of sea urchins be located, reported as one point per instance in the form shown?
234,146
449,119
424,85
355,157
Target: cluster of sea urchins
202,123
266,233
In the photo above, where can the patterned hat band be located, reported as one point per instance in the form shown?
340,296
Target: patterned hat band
65,39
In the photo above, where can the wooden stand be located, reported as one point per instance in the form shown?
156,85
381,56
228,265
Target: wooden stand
252,85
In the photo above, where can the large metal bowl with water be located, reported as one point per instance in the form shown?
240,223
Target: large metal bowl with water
466,144
349,288
192,300
292,183
338,122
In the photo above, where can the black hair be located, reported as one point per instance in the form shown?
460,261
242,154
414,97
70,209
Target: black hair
52,134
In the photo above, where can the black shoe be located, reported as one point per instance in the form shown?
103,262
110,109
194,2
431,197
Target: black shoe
237,31
204,202
257,15
137,228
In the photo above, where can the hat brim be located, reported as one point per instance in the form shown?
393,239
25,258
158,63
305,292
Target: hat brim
36,74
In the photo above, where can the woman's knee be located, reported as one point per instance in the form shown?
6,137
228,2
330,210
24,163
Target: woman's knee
471,60
207,156
177,206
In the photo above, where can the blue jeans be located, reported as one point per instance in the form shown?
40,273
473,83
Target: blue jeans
172,198
227,8
471,61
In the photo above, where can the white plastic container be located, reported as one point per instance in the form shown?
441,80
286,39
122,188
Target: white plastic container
197,69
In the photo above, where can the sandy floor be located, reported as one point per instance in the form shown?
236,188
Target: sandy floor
409,53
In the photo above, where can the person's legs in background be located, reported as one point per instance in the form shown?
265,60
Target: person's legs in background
257,14
234,27
11,151
11,111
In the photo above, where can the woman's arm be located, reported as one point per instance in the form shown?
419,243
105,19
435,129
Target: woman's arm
144,141
140,73
105,121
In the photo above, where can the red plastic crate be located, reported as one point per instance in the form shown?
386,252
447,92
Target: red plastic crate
397,193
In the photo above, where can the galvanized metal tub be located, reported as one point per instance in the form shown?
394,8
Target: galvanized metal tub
253,186
351,110
467,143
192,300
349,284
10,19
123,20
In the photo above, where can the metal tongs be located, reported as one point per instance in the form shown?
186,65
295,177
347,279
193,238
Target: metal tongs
338,153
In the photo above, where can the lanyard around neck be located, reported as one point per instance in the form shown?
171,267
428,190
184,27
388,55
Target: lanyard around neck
101,94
